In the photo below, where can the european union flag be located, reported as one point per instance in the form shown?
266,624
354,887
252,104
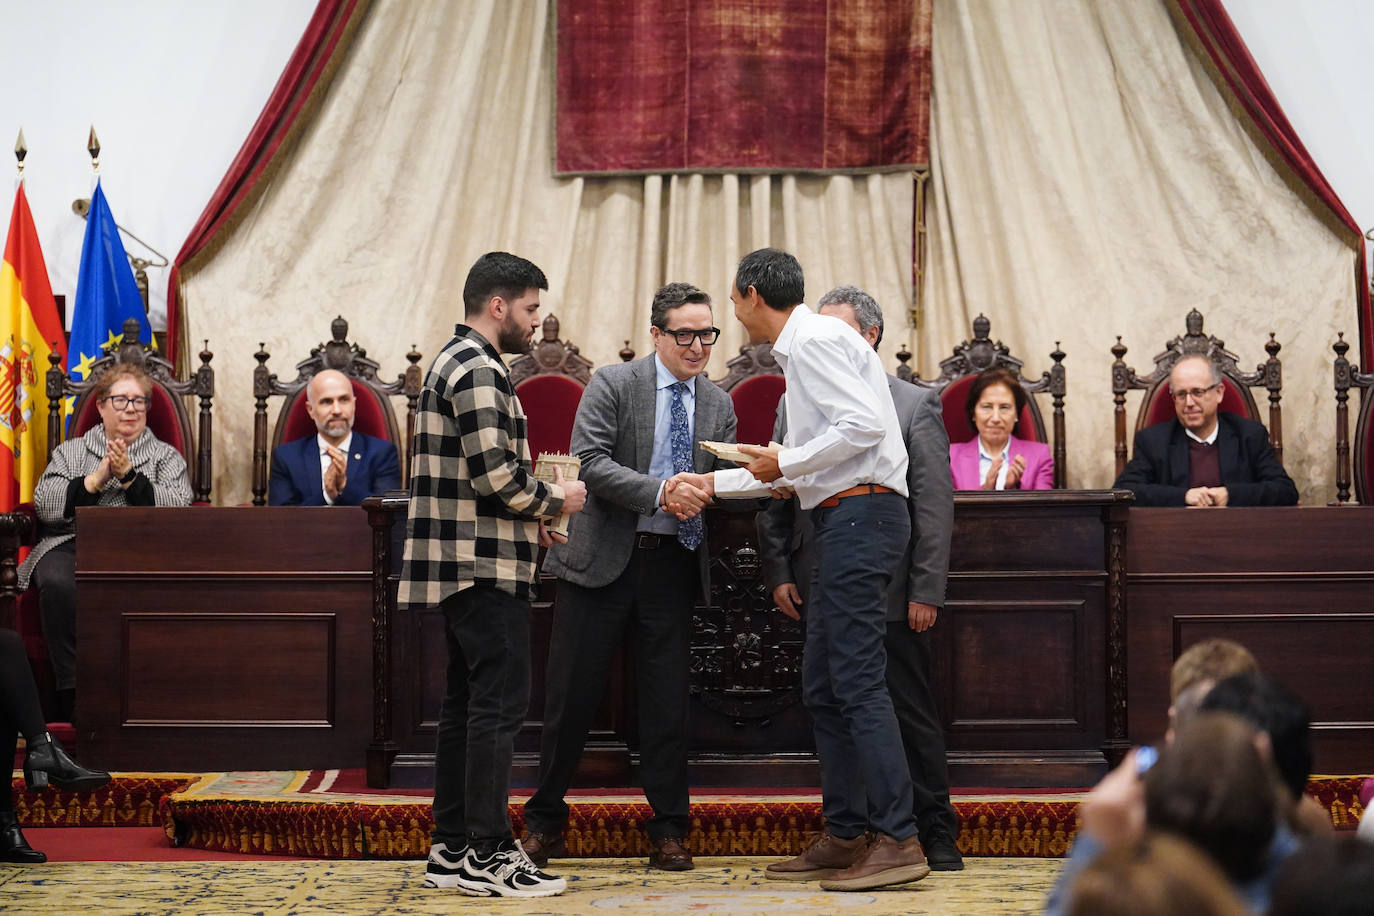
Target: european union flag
106,293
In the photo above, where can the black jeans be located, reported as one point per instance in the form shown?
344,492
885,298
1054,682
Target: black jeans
487,696
55,579
652,600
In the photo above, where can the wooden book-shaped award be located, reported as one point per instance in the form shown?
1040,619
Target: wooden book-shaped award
571,466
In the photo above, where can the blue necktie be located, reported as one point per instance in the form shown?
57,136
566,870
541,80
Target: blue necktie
690,532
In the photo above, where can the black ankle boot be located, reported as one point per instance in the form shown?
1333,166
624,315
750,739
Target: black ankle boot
13,846
46,761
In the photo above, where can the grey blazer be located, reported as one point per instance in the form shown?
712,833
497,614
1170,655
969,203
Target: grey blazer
613,434
785,530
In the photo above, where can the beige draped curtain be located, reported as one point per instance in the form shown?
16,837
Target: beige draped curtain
434,145
1089,180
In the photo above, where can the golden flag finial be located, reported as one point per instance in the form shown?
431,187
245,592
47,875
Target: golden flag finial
93,147
21,150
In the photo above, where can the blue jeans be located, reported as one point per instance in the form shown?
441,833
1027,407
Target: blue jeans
487,696
865,780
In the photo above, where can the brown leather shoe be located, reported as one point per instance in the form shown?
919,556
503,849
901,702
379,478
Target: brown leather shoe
884,862
825,856
670,855
541,846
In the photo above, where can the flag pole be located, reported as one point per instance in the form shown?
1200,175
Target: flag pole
93,147
21,150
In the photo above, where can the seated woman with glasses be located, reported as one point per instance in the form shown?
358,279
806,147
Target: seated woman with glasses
118,462
995,459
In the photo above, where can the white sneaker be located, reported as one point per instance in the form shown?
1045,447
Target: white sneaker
506,872
442,868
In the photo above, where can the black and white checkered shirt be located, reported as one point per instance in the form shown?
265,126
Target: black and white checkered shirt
474,500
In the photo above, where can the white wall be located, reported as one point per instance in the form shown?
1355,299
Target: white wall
1315,56
172,88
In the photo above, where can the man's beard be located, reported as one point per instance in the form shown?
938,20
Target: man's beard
513,338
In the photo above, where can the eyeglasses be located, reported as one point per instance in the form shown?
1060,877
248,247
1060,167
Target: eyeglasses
124,402
1196,394
684,336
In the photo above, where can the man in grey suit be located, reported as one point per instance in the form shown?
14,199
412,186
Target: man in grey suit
630,564
913,604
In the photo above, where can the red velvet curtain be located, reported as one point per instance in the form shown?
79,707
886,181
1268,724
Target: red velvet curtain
738,85
305,77
1217,36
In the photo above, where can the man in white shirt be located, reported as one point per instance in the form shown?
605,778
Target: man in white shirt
846,460
338,466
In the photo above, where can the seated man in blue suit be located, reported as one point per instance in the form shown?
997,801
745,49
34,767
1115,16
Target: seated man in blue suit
1204,458
338,467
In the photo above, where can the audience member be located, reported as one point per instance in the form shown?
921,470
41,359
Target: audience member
1204,458
1197,669
118,462
338,466
1158,875
994,459
1328,876
1215,786
1278,712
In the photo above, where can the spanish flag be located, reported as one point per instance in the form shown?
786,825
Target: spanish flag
29,330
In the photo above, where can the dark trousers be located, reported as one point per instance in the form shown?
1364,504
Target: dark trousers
487,696
19,709
55,579
923,737
652,600
864,775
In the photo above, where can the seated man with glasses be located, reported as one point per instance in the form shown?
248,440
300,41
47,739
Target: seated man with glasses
118,462
1204,458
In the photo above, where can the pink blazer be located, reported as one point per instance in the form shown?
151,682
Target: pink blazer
1039,473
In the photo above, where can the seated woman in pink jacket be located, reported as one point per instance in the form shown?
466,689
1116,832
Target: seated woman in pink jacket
995,459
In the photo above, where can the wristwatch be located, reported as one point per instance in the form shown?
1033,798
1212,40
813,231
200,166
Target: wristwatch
129,477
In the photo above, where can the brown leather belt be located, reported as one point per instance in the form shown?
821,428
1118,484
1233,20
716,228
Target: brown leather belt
862,489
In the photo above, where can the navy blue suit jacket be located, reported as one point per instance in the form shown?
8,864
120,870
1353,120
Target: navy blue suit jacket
1159,472
373,468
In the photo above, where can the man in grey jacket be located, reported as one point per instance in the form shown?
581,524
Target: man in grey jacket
632,566
913,604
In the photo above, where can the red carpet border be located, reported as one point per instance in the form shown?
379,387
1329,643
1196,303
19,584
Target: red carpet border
398,827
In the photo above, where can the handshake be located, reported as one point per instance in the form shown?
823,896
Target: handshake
686,494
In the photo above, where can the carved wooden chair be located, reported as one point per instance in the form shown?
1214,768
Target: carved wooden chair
168,418
957,374
1347,376
373,413
755,383
550,380
1158,406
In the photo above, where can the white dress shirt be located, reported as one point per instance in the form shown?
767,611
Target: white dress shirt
985,464
842,427
324,444
1210,440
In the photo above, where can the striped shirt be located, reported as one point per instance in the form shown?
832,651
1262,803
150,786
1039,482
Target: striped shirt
474,501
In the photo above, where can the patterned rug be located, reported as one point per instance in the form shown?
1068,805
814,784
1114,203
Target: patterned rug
717,886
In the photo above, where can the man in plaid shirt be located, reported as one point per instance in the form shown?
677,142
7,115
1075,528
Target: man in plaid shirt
472,543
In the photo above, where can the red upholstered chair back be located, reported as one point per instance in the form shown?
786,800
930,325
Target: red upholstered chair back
756,404
369,416
162,420
956,418
550,404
